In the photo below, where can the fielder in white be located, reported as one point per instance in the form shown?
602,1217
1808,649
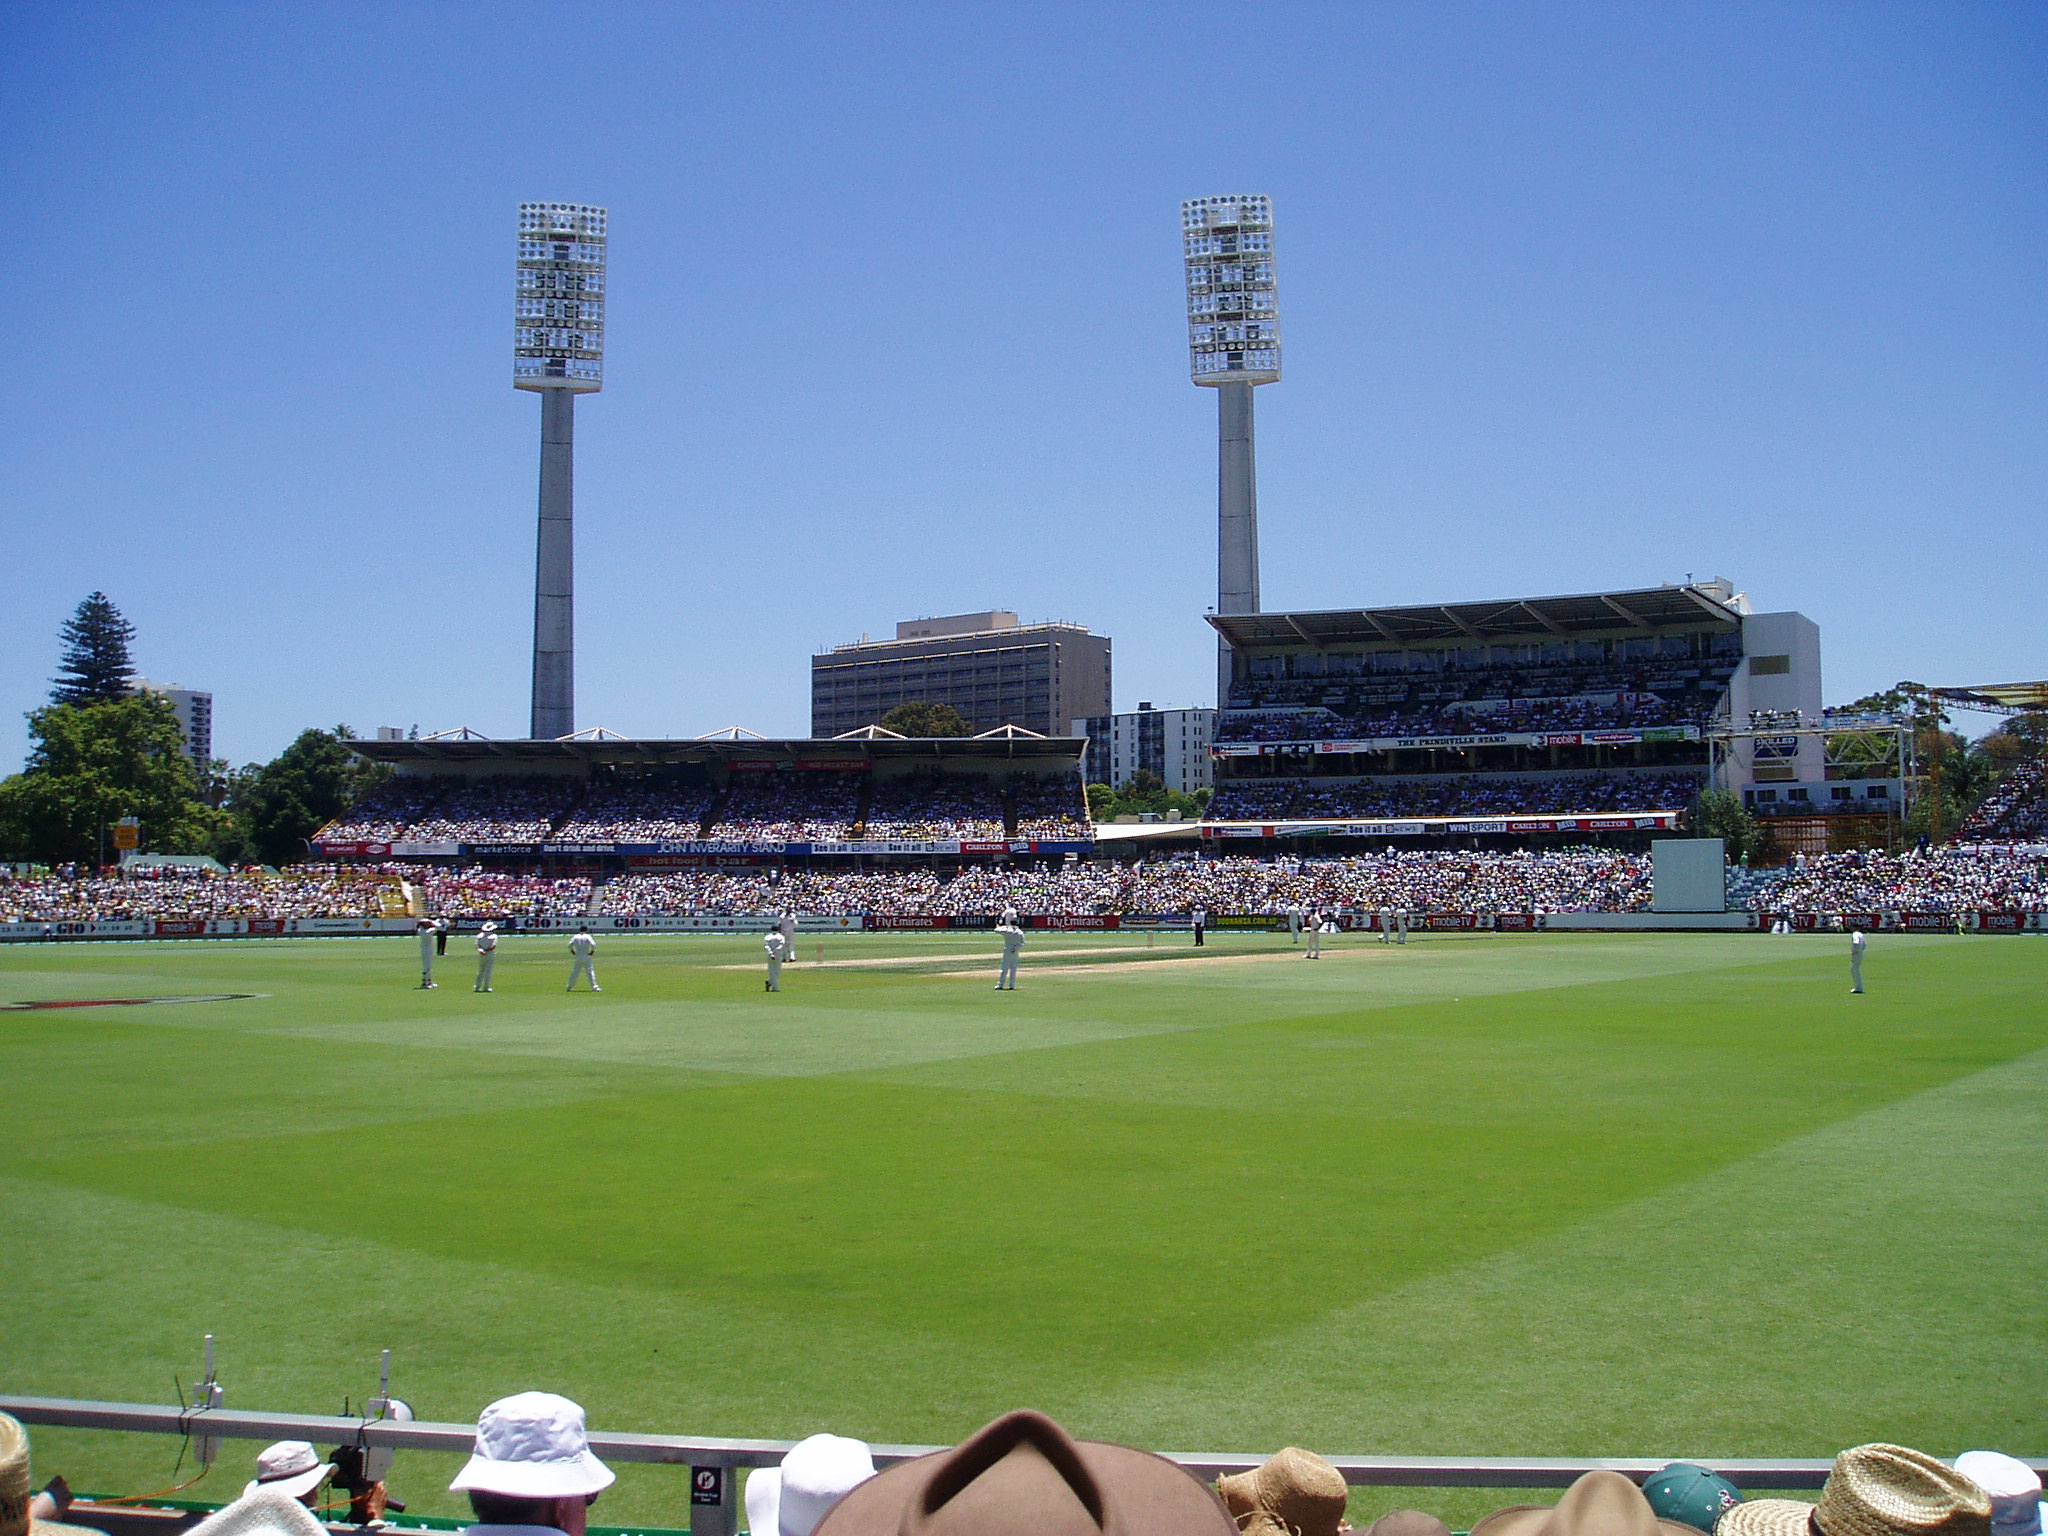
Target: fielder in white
1401,917
1294,924
1315,935
778,951
486,956
1013,943
1386,925
584,948
427,934
786,926
1856,944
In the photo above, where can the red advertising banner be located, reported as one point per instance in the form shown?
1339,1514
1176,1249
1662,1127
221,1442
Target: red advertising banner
2002,922
1095,922
1516,922
874,921
266,925
1450,921
165,929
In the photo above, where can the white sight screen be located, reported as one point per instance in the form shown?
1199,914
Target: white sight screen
558,334
1233,295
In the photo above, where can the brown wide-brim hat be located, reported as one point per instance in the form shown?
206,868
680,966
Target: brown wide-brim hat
1297,1490
1407,1522
1873,1490
1025,1476
1598,1504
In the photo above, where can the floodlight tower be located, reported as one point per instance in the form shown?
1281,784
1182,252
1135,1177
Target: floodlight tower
558,349
1233,345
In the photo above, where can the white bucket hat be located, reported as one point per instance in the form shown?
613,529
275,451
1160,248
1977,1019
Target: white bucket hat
489,928
2014,1490
532,1445
290,1467
816,1474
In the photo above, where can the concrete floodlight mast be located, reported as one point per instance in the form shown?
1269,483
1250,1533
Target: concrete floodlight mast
558,350
1233,345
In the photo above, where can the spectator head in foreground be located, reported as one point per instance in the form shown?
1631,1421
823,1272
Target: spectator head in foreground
791,1499
17,1490
1025,1476
2013,1488
532,1464
1873,1490
1598,1504
1296,1491
265,1512
1691,1494
1407,1522
292,1468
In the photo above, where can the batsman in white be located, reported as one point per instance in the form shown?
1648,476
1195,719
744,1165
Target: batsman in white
486,956
584,948
1013,942
427,935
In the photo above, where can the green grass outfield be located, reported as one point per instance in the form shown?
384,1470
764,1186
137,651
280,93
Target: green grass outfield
1557,1194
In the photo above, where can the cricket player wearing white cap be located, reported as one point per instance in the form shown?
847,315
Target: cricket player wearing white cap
486,956
532,1471
583,949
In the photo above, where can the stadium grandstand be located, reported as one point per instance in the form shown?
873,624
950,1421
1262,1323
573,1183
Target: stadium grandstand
2016,809
1587,714
604,804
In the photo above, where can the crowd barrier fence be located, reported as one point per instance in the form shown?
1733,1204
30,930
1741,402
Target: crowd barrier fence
713,1491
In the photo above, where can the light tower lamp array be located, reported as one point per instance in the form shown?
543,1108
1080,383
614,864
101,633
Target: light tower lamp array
1233,345
558,350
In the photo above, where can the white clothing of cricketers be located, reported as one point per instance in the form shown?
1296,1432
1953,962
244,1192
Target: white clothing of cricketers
778,951
1386,925
426,955
1401,917
584,948
1856,945
1294,925
1013,942
787,928
486,957
1315,937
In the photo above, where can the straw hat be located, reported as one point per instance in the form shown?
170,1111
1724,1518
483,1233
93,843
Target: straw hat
1025,1476
1598,1504
1874,1490
1295,1491
17,1488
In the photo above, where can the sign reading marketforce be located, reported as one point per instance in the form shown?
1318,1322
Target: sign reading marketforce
1616,738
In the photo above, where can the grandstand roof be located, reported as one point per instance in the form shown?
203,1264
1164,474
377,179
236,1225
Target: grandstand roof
470,749
1650,608
2006,698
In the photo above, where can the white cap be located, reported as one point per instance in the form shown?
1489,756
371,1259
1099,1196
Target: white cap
2013,1487
764,1495
816,1474
290,1467
532,1445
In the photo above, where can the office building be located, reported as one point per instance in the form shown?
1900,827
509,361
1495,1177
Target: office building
195,717
1172,743
991,668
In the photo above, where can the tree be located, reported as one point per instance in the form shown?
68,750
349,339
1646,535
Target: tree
1143,793
95,667
92,764
1721,813
285,801
922,717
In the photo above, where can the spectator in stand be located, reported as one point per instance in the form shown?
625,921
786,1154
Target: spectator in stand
24,1512
532,1468
818,1472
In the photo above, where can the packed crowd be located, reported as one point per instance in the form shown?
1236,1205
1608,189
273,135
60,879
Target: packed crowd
1571,880
385,813
532,1472
478,892
1460,795
1520,715
790,807
1050,808
1957,879
2016,811
173,895
639,813
933,806
507,810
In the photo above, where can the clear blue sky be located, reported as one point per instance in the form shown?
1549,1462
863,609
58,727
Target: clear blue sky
1575,296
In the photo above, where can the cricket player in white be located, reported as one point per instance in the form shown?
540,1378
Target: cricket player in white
583,947
1386,925
777,946
1013,941
1315,935
1294,923
1401,917
1856,943
486,956
786,926
427,934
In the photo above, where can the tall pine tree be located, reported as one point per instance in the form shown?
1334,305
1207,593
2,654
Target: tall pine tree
95,668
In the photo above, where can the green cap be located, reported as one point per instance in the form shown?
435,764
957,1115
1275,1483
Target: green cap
1691,1494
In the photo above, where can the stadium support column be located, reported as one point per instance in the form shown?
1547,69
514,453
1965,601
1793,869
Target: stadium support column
1237,517
554,571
